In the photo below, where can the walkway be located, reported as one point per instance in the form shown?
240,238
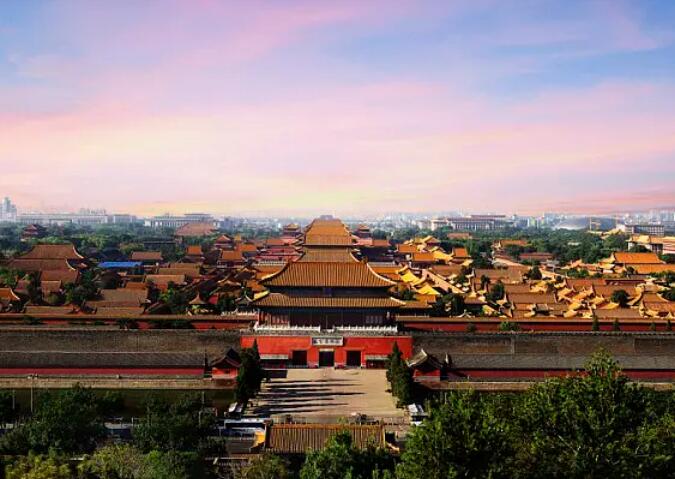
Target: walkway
326,394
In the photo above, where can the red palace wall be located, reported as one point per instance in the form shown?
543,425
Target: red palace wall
367,345
104,371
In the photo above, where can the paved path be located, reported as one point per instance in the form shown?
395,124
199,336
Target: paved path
327,394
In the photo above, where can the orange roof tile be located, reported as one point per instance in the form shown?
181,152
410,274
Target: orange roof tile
146,256
340,274
423,257
53,251
64,276
627,258
406,248
300,438
653,268
285,301
196,230
32,265
231,256
330,255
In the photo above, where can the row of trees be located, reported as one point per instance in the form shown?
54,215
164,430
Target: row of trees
170,440
595,424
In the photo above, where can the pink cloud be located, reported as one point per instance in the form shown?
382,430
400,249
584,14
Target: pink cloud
183,128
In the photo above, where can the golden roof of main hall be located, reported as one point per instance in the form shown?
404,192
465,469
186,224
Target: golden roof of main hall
327,274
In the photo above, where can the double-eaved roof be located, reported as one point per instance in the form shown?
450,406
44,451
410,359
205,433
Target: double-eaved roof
327,274
44,257
280,300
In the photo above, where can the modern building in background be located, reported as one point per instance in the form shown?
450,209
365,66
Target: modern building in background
7,210
84,217
646,229
175,221
467,223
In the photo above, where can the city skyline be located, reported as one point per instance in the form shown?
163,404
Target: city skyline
298,108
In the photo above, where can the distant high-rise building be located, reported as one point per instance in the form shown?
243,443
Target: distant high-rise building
7,210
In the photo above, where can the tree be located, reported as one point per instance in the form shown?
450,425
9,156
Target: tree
400,377
620,297
669,295
578,273
514,250
250,374
9,277
87,289
456,304
509,326
595,325
615,325
38,467
67,421
172,465
180,425
226,303
117,461
266,466
534,273
340,460
7,413
585,426
439,308
496,292
463,437
124,461
484,282
175,299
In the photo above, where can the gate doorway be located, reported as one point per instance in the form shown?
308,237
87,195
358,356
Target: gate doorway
354,359
299,358
326,359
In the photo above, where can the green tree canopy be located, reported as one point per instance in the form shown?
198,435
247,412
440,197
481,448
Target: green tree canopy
463,437
67,421
341,460
180,425
36,466
620,297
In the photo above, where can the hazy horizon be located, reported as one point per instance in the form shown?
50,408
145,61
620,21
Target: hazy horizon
348,107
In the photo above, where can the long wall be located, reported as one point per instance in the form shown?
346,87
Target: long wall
213,342
563,344
642,350
641,355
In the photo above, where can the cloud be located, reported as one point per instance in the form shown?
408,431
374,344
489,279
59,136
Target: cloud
238,107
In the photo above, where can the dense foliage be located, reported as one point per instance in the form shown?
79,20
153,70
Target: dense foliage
170,441
593,425
340,460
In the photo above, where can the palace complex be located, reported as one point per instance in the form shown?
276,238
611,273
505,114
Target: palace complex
331,295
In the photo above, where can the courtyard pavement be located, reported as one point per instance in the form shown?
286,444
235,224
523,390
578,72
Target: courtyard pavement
326,394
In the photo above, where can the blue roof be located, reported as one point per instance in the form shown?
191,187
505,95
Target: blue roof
120,264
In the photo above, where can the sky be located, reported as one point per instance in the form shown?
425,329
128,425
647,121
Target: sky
288,107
